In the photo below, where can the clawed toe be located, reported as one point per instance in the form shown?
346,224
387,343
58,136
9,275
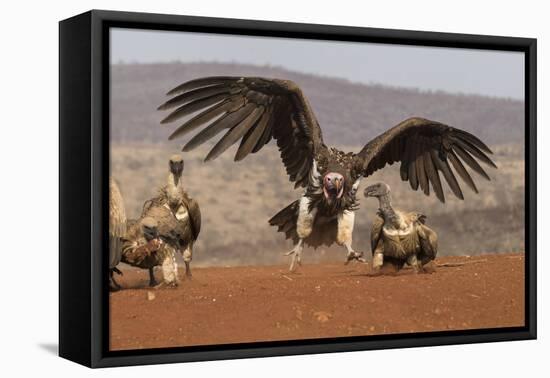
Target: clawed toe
171,285
294,264
296,254
358,256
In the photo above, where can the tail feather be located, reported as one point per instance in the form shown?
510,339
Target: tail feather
286,219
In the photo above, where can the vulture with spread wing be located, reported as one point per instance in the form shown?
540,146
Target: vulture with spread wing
255,110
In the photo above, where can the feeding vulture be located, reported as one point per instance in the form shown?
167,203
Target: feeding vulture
399,237
153,241
255,110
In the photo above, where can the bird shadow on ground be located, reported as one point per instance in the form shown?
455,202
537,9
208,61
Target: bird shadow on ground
51,348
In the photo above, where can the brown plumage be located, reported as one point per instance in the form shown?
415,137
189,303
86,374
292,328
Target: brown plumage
255,110
184,209
157,223
173,231
399,237
117,228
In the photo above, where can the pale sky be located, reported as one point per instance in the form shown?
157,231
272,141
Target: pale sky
468,71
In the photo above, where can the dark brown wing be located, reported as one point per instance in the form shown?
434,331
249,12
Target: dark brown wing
252,110
194,217
376,232
426,148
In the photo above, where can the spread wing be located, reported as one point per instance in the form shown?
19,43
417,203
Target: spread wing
376,231
250,109
426,148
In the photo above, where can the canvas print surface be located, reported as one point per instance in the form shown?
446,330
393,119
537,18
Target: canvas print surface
267,189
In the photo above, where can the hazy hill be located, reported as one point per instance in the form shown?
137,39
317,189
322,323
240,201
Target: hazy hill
347,112
237,199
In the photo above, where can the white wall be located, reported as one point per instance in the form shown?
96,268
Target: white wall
28,86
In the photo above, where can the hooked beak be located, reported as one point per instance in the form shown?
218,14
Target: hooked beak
338,186
370,191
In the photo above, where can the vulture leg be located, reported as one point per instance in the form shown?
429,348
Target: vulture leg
304,227
296,253
152,281
378,258
187,257
415,264
170,270
346,221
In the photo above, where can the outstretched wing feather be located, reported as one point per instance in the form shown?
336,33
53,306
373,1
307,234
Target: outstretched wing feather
194,106
235,133
201,82
203,118
255,110
424,149
193,95
253,136
226,122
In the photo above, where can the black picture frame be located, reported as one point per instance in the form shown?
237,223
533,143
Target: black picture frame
84,171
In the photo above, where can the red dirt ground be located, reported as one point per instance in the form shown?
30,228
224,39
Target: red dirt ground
264,303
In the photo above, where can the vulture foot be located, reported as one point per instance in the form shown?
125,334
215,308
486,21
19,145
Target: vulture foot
168,285
296,254
415,264
188,274
152,281
352,255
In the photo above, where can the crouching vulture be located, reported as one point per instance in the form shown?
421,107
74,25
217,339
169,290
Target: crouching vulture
399,237
255,110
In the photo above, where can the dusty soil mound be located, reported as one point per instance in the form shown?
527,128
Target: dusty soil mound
261,303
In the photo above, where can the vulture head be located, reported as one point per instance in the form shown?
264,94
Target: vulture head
335,183
377,190
176,165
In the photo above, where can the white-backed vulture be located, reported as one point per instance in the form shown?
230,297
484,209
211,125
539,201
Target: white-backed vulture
185,209
255,110
399,237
